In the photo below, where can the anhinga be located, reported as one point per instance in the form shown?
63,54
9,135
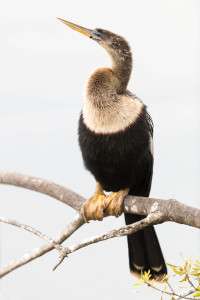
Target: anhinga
115,137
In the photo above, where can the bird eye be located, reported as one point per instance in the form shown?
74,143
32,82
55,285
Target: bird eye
97,35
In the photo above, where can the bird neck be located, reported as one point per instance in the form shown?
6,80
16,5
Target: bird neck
121,63
101,88
105,84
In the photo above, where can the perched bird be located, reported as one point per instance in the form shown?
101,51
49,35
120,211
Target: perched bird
116,140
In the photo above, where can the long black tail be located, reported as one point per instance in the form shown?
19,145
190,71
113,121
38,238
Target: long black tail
144,251
143,246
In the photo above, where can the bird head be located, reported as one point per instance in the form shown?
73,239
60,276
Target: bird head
103,37
117,48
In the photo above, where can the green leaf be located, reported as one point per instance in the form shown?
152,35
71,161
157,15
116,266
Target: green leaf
172,266
164,289
166,277
177,272
196,273
184,279
152,281
196,294
198,287
181,255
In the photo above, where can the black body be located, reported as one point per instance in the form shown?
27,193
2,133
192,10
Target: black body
123,160
118,160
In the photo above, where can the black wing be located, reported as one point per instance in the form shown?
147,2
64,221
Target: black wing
150,123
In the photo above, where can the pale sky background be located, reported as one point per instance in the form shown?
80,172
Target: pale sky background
43,69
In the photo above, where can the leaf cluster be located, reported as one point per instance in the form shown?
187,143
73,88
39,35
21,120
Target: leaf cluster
187,274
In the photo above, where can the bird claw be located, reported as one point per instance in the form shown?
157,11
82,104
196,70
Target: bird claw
114,203
93,208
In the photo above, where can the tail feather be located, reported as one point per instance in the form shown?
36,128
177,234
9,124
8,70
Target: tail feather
144,251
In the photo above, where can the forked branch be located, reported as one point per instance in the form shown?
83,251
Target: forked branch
156,210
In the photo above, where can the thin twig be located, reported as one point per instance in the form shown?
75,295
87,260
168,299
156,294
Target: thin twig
169,285
34,231
122,231
39,251
190,282
185,294
60,261
173,294
157,289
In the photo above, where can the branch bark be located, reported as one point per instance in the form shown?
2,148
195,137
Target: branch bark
39,251
184,294
34,231
43,186
156,210
125,230
171,209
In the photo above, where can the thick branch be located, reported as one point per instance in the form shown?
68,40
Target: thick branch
171,209
43,186
161,210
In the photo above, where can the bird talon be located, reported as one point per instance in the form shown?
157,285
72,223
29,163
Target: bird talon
83,215
114,203
93,208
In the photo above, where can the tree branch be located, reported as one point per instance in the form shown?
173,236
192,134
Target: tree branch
151,219
34,231
43,186
171,209
185,294
156,210
39,251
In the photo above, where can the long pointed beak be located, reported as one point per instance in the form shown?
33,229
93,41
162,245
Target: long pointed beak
78,28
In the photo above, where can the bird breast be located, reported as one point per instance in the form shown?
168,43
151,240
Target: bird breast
105,111
115,115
